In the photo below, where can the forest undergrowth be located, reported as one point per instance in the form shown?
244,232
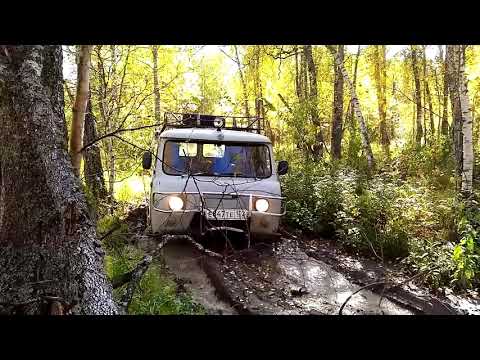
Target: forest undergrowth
407,212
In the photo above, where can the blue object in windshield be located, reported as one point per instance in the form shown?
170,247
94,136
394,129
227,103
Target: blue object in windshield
217,159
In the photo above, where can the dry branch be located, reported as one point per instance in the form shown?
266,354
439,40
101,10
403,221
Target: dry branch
134,279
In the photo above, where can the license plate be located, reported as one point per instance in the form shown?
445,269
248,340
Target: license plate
225,214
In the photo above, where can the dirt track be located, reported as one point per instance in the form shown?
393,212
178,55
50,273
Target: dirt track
300,276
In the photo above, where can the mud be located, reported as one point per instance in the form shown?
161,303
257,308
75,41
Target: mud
297,275
282,279
183,260
412,294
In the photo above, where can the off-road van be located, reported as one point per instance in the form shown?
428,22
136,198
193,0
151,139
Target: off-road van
214,173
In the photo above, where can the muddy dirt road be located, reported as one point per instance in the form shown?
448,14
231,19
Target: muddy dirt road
273,280
300,276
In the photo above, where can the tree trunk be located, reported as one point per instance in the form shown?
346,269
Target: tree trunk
242,80
92,165
259,103
418,96
381,89
467,126
79,108
445,93
49,255
453,67
298,83
428,96
313,101
337,120
156,87
350,116
105,116
356,110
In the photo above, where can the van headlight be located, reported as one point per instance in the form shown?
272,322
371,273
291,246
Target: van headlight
175,203
261,205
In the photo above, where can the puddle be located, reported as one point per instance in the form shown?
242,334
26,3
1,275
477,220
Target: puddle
182,260
326,289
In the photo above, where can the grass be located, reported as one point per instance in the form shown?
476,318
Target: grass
157,293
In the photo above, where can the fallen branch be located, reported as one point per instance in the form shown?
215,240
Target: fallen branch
109,232
203,250
136,276
386,289
357,291
399,285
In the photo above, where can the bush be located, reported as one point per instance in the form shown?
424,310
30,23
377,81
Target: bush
380,215
466,253
312,198
360,212
410,213
434,163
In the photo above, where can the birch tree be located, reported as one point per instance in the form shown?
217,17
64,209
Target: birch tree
46,235
156,86
467,125
356,110
80,106
337,118
312,96
418,95
380,76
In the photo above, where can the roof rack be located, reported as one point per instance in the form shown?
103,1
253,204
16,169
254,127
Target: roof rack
195,120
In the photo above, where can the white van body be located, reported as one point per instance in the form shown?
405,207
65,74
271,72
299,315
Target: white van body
213,202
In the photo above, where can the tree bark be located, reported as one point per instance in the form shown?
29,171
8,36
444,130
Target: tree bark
428,96
49,254
105,116
444,129
156,87
467,126
418,96
350,116
337,120
243,82
453,67
356,110
79,108
318,147
92,165
381,89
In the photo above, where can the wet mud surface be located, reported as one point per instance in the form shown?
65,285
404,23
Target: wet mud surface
282,279
299,276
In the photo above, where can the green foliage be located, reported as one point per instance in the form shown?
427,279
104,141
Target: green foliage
362,214
466,254
132,190
312,198
159,295
434,162
157,292
425,226
433,258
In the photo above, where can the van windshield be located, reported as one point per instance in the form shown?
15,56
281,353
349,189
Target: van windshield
217,159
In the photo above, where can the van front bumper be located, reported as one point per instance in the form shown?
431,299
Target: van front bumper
167,221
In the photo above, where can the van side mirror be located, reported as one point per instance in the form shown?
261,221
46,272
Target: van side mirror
282,167
147,160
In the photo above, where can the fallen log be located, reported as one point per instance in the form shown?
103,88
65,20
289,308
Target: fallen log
135,277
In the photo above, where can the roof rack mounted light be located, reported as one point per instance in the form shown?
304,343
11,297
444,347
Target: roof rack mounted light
197,120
